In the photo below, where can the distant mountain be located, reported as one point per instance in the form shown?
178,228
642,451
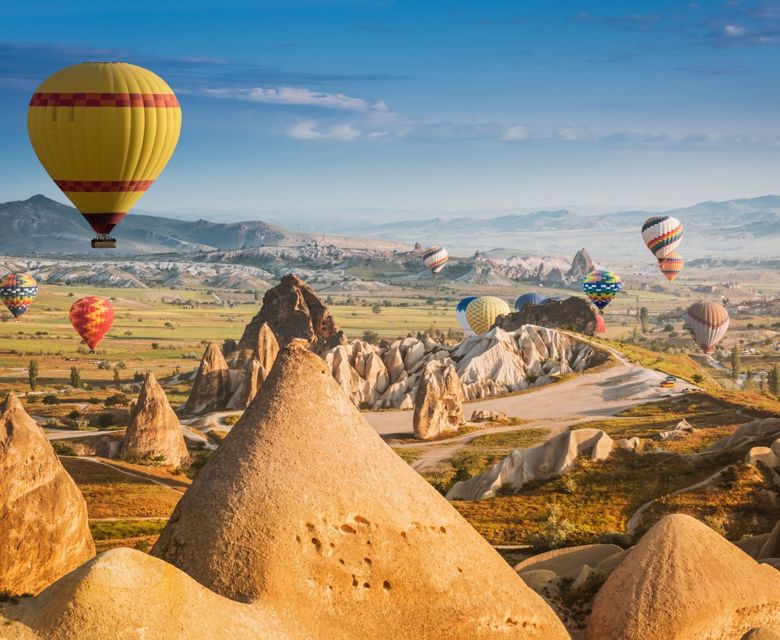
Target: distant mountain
42,226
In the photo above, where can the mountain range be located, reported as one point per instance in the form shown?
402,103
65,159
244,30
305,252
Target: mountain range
742,228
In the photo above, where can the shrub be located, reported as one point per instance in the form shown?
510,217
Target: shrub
555,531
117,400
105,420
230,420
49,399
63,448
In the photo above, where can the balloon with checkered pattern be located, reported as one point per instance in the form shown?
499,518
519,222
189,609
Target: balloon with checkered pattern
18,290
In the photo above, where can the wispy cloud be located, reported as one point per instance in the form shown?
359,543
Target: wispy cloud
308,130
297,96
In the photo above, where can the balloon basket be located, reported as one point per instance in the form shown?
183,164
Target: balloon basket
103,242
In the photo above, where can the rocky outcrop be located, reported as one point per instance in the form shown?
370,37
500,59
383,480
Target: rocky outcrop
293,310
552,458
125,594
438,404
683,581
305,508
771,546
761,634
581,265
44,532
570,314
748,433
154,431
681,430
211,389
485,415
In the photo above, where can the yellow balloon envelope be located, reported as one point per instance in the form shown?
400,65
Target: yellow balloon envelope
482,313
104,131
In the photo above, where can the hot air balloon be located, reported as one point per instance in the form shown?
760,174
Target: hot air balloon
662,235
601,286
92,317
601,324
529,298
460,312
435,258
482,313
671,265
104,131
18,290
707,322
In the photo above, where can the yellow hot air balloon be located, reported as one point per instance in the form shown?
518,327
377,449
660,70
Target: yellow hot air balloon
104,131
482,313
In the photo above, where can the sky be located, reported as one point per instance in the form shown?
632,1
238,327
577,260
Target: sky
321,107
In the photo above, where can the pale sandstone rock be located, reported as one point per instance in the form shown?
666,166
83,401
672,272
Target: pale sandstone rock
683,581
304,507
211,389
154,430
551,458
438,404
44,532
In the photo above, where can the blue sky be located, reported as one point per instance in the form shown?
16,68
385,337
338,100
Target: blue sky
426,105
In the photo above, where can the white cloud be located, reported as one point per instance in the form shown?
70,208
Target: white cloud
297,96
307,130
734,31
515,132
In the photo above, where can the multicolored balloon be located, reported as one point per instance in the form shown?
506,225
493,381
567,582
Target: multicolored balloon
18,290
460,313
601,324
104,131
671,265
529,298
662,235
601,287
92,317
707,323
482,313
435,258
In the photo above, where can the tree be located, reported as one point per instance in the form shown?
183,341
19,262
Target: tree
117,379
774,380
736,363
376,309
32,374
644,317
748,385
372,337
75,377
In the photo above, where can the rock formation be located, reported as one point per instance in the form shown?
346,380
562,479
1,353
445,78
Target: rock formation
551,458
572,314
126,594
292,310
683,581
771,547
44,532
211,389
744,434
154,431
438,405
761,634
581,265
306,508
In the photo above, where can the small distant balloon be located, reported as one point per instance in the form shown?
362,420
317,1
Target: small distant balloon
529,298
662,235
707,323
435,258
460,313
671,265
92,317
18,291
601,287
482,313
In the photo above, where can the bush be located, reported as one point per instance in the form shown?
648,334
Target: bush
73,415
230,420
63,448
372,337
556,530
49,399
105,420
117,400
197,462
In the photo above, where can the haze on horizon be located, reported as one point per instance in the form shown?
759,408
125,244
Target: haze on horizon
335,106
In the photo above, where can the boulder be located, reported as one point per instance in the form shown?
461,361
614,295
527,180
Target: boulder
211,389
304,508
683,581
438,404
44,531
124,594
293,310
568,561
746,433
771,546
549,459
154,430
572,314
